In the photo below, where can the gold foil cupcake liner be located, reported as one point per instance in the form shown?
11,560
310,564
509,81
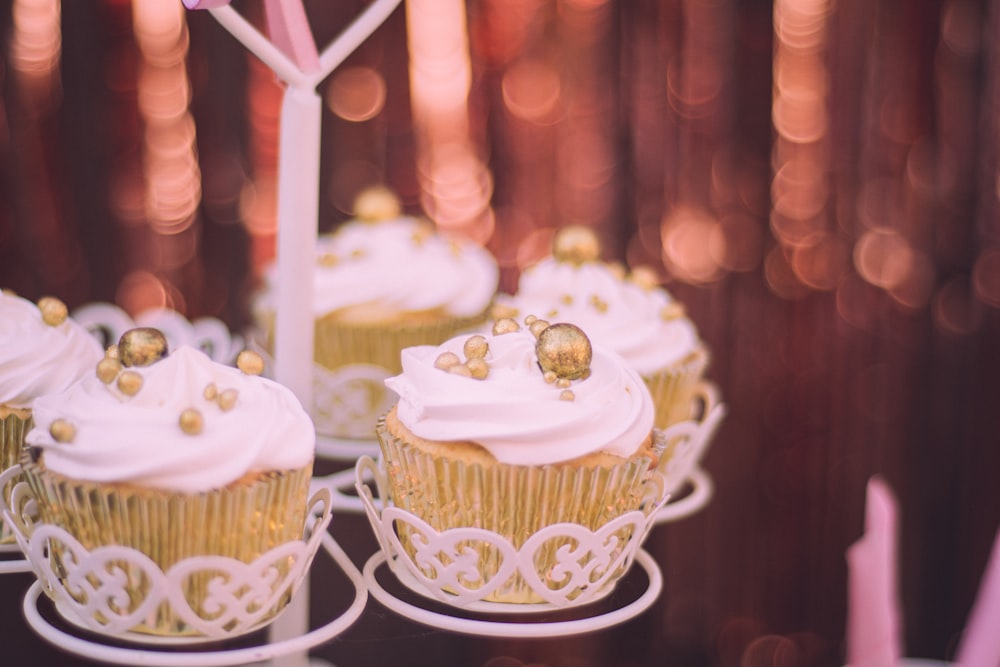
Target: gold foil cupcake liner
674,388
12,433
241,523
516,503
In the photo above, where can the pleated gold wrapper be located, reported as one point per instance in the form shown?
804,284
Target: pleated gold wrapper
673,388
16,424
512,501
242,521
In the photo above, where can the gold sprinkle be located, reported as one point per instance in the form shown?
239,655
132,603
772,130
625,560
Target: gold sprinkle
455,247
191,421
537,327
111,352
564,349
617,269
54,311
62,431
108,369
566,299
129,383
478,368
562,383
377,203
211,392
644,277
328,260
552,314
227,399
599,304
460,369
500,311
672,311
142,346
446,360
567,395
575,244
357,253
505,325
423,231
250,362
475,347
549,376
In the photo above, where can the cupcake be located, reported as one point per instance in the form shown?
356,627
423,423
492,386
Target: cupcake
174,456
383,281
511,433
41,351
627,312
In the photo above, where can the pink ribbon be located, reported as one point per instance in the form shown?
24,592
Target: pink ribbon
873,617
205,4
288,28
980,645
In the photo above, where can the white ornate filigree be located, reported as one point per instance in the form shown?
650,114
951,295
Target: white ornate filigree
564,564
107,322
114,590
349,400
684,443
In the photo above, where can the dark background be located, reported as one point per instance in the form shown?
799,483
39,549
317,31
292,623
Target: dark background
817,182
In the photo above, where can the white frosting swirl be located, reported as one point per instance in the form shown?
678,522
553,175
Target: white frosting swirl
36,358
138,439
614,312
514,413
398,266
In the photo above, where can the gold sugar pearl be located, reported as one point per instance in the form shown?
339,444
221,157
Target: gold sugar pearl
576,244
586,374
250,362
142,346
328,260
446,360
460,369
357,253
191,421
537,327
567,395
478,368
599,304
672,311
227,399
62,431
565,350
552,314
423,231
529,320
377,203
54,311
505,325
475,347
566,299
617,269
563,383
501,311
211,392
549,377
644,277
8,291
108,369
111,352
129,383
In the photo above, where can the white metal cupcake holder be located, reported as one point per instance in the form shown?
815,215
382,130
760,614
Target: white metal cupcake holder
92,590
588,563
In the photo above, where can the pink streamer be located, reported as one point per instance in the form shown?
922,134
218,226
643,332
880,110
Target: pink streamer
288,28
980,645
873,617
205,4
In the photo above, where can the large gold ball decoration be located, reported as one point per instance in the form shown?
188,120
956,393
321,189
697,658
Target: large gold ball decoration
250,362
54,311
565,350
377,203
576,244
142,346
